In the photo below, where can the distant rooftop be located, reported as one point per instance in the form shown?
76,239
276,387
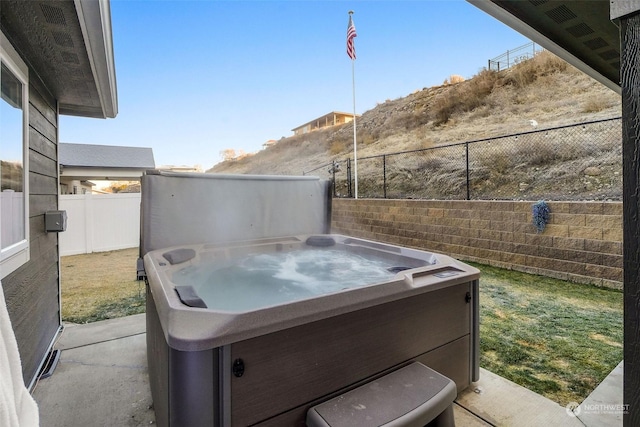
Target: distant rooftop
330,119
181,168
105,156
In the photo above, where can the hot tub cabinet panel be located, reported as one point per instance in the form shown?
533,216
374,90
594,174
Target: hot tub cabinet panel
184,384
268,366
451,360
323,357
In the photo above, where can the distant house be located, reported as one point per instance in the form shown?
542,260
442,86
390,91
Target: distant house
57,58
181,168
80,163
269,143
331,119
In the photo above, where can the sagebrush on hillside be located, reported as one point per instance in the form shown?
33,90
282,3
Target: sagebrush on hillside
544,90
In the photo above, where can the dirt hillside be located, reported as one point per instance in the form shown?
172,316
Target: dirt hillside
544,89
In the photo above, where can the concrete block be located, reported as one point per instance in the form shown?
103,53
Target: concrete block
585,232
559,207
612,208
569,243
561,230
616,261
612,234
596,208
603,246
604,221
607,273
502,225
568,219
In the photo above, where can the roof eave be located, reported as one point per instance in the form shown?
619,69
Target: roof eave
95,22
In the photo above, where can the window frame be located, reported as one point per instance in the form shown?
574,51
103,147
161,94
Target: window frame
18,254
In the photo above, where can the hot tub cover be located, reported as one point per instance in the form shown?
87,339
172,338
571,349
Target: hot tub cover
186,208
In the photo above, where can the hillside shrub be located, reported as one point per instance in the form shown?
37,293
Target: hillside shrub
536,153
337,147
408,120
365,138
453,79
595,104
527,72
443,109
464,97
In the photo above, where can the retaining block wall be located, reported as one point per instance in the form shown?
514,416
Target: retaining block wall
581,243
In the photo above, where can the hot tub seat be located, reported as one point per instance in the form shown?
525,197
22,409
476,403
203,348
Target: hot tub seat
414,395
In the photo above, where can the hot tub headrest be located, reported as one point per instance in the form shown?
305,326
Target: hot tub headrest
178,256
189,297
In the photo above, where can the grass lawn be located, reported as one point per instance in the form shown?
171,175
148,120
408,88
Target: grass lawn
100,286
557,338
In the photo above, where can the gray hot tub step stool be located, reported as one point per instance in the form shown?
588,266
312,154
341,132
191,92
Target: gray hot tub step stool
412,396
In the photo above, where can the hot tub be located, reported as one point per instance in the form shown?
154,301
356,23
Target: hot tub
256,332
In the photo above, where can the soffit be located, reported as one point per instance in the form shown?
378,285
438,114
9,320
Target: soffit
49,36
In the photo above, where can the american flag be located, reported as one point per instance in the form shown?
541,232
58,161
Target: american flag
351,34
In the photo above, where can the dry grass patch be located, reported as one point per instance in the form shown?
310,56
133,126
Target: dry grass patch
100,286
595,104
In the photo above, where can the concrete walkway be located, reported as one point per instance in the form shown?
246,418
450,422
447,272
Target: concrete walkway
102,380
603,407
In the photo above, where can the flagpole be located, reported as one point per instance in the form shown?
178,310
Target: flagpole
355,145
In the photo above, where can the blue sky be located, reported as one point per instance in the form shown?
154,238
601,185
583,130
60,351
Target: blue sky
197,77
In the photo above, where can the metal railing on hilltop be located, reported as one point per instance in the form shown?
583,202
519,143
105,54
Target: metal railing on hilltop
514,56
574,162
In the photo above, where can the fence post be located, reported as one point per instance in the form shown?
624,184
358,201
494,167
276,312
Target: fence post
333,171
89,223
349,177
384,175
467,156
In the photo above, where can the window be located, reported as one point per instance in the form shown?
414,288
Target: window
14,187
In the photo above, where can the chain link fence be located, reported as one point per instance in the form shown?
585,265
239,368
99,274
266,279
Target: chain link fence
514,56
576,162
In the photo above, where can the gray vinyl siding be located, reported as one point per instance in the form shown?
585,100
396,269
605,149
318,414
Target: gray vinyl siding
32,291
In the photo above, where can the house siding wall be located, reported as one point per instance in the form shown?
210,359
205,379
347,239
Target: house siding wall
32,291
581,243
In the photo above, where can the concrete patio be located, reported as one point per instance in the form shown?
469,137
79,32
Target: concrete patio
101,380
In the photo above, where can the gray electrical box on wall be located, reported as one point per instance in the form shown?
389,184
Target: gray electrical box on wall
55,221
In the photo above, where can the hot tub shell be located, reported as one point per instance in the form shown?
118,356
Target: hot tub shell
268,366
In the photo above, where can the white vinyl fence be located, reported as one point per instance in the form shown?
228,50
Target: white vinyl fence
100,222
12,217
